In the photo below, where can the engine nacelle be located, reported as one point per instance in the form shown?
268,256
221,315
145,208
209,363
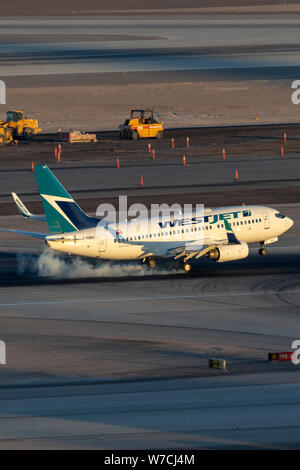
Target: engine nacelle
229,252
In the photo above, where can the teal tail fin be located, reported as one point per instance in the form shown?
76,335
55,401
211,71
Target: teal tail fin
61,211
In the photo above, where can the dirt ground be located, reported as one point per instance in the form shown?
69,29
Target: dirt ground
176,104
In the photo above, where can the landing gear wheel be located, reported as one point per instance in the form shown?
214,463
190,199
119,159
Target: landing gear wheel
262,251
151,263
187,267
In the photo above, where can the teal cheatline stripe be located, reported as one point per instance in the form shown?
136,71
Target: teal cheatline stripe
47,182
227,225
230,233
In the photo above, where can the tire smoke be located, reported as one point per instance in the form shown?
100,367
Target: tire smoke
51,264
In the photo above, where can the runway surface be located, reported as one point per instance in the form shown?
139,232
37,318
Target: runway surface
268,46
117,358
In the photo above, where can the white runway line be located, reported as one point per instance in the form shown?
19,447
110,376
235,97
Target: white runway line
141,299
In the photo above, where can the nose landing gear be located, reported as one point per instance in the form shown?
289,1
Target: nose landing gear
187,267
262,251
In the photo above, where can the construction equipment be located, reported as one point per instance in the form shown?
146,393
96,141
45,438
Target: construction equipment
141,125
5,135
20,126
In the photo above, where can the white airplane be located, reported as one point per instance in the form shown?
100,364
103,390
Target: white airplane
224,232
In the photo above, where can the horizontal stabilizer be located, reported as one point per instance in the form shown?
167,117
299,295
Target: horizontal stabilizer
27,234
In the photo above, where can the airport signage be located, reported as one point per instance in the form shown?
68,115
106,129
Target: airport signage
281,357
217,364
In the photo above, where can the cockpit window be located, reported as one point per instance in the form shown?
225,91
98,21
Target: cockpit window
280,216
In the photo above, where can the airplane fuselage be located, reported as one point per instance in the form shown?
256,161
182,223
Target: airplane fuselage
137,240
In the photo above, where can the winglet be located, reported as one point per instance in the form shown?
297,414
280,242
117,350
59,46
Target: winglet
21,207
24,211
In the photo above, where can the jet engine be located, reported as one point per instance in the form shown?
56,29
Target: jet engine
229,252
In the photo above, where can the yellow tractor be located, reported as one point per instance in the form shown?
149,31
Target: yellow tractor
5,135
141,125
20,126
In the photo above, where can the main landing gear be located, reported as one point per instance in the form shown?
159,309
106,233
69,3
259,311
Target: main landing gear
151,263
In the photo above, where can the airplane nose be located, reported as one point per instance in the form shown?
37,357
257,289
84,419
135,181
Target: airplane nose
289,222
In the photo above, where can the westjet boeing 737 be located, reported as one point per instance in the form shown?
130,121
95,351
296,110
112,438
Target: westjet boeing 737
221,234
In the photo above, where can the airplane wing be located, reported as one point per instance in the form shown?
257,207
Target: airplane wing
26,234
24,211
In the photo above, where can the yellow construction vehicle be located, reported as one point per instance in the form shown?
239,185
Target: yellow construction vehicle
141,125
20,126
5,135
